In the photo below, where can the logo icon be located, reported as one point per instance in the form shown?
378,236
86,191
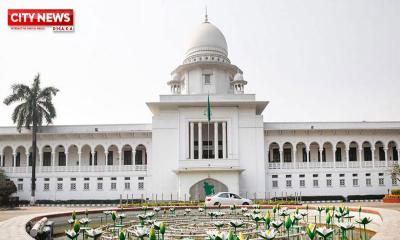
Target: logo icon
60,20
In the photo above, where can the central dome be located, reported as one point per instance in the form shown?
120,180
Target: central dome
207,39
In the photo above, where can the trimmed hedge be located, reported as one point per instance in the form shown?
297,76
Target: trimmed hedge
364,197
323,198
395,191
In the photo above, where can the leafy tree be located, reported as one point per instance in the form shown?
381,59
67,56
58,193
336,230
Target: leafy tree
34,106
7,188
395,172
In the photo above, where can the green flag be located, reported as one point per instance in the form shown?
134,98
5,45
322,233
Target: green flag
208,109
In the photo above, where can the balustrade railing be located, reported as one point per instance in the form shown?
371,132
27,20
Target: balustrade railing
380,163
327,164
97,168
341,164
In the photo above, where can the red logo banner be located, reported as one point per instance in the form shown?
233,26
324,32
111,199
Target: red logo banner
40,17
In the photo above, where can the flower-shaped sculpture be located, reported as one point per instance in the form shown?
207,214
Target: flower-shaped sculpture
157,210
267,220
150,222
274,210
145,208
211,214
243,209
344,227
276,224
328,219
284,214
141,218
200,210
107,213
216,235
122,235
121,216
311,230
320,209
85,221
162,229
218,224
141,232
364,221
188,210
71,221
256,218
247,215
71,234
152,234
232,208
236,224
324,232
296,218
150,215
256,211
172,210
268,234
94,233
338,216
288,225
219,214
359,211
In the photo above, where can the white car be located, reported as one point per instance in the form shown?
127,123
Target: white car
226,198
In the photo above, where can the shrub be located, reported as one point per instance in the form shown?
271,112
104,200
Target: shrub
7,188
395,191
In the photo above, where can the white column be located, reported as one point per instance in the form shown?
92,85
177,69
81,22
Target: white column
320,156
347,157
93,153
40,161
398,155
79,160
267,158
133,157
224,140
294,157
360,153
334,156
53,160
106,158
386,156
308,155
66,159
120,159
13,161
216,140
280,157
27,161
373,157
200,141
191,156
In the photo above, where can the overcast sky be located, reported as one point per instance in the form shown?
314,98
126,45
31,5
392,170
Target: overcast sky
313,60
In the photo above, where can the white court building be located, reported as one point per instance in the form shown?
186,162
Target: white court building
179,151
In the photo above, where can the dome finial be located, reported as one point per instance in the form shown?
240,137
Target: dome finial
206,16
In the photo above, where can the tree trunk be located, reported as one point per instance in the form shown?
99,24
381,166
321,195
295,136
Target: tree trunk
33,185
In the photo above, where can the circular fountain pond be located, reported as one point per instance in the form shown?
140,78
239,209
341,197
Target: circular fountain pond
199,223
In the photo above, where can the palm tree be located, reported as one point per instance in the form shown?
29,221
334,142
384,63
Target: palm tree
35,105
